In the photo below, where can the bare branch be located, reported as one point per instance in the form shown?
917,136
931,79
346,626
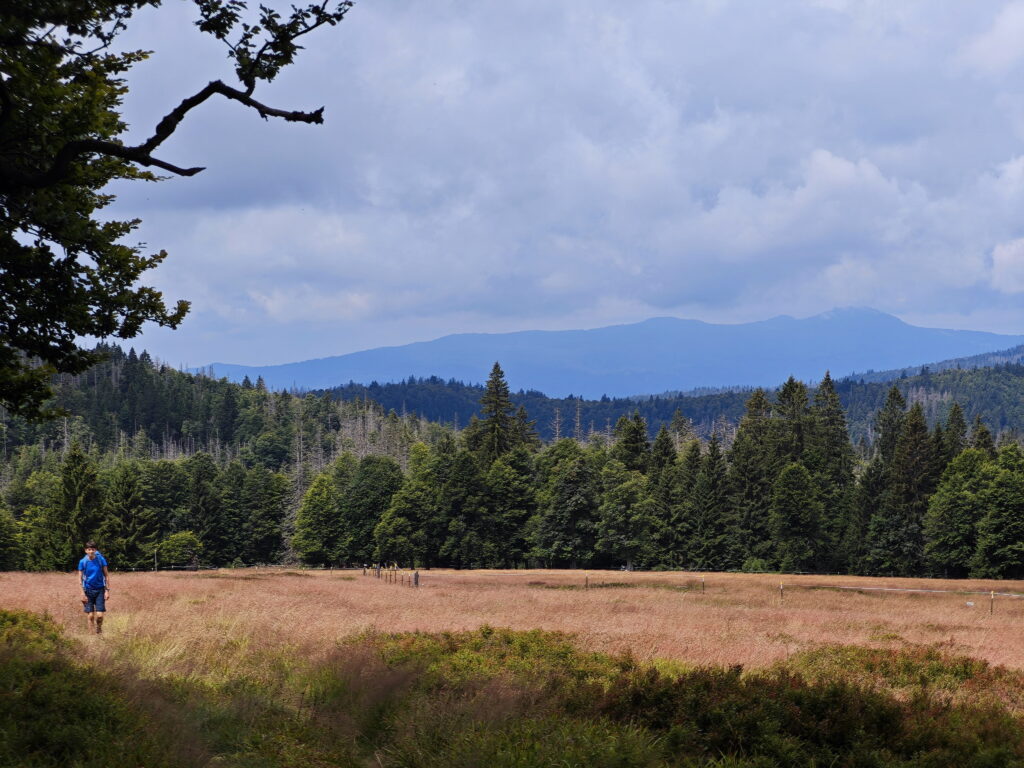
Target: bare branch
170,122
142,153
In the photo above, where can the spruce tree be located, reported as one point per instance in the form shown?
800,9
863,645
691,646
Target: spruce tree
954,511
830,459
896,530
562,533
407,532
129,531
10,549
792,415
713,545
204,514
462,501
511,502
796,520
496,431
753,466
264,497
888,425
663,452
1000,549
955,432
318,523
981,438
81,500
376,481
677,533
632,447
627,518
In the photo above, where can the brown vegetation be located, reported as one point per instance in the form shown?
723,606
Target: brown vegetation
208,618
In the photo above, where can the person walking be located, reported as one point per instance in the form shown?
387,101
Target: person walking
92,570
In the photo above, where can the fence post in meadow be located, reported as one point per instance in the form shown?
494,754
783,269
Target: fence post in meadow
416,579
782,593
702,585
992,603
586,581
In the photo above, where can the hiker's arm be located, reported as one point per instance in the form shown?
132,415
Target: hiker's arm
106,579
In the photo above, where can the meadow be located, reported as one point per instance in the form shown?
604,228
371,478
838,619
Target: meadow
275,667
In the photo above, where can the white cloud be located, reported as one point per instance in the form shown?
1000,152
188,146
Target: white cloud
492,167
1008,267
999,48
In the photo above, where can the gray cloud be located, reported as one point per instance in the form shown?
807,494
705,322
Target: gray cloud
540,165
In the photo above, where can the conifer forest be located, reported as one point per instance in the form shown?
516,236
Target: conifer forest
169,469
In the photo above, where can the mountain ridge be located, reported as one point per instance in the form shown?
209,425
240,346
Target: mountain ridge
656,354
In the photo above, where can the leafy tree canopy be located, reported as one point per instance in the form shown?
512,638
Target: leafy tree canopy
64,272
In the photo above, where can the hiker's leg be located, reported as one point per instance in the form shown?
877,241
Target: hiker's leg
99,621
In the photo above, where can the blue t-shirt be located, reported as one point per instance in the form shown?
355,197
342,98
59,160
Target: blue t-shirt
92,571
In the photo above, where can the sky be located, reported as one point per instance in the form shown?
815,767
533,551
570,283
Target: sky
522,165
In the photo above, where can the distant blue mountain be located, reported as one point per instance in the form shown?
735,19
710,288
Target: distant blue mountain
656,355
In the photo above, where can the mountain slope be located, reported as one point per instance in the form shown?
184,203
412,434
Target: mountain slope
656,355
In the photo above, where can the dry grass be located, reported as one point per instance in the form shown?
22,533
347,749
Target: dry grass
213,620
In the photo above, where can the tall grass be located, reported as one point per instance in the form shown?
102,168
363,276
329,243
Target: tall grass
270,668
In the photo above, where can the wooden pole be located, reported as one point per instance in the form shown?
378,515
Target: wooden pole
782,593
992,603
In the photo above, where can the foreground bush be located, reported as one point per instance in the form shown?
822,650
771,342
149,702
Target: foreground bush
501,699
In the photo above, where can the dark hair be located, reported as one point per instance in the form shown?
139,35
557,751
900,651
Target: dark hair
90,544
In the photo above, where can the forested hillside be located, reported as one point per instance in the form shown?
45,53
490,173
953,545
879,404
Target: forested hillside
995,394
168,468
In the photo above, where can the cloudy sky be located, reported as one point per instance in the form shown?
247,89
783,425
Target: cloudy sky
493,166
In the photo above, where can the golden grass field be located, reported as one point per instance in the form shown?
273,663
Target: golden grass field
737,619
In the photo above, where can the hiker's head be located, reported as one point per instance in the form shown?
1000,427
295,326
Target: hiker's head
90,549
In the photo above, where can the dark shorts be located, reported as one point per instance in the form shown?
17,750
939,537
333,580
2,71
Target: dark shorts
94,601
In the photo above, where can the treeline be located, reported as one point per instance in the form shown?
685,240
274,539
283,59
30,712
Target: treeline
992,393
790,493
235,474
